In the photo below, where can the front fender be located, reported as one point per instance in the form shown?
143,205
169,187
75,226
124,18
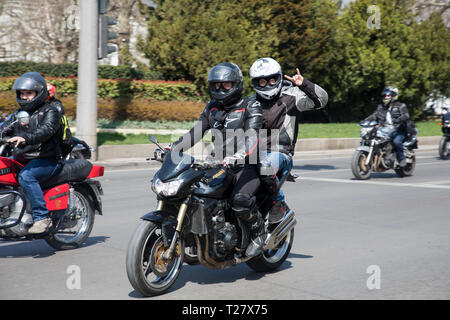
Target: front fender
167,223
363,148
157,216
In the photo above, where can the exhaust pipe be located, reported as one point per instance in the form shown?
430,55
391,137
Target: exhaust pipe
281,231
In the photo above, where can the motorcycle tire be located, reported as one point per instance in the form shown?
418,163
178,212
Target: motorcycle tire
408,170
359,173
86,205
143,261
444,148
270,260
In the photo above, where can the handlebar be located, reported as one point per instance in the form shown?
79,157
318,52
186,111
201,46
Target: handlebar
208,164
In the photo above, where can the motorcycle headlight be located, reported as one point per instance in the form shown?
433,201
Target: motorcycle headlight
166,189
365,132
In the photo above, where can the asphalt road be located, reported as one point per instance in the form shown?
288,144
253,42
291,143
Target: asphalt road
385,238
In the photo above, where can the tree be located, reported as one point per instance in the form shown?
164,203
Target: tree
401,53
45,27
186,38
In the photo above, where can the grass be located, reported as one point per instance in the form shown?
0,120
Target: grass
306,130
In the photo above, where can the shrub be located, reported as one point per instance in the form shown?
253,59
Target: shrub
114,89
139,109
14,69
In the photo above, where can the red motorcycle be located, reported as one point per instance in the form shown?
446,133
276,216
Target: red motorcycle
72,197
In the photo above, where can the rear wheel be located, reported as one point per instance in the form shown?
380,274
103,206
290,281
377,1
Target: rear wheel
76,224
270,260
147,271
444,148
408,169
359,168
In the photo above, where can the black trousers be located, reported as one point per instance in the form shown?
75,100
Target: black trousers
246,183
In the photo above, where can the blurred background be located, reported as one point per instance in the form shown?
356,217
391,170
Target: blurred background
165,48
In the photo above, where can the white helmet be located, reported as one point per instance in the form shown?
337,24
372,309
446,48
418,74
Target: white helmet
266,68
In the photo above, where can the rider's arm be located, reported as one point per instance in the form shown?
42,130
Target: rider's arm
308,96
253,122
47,128
194,135
404,114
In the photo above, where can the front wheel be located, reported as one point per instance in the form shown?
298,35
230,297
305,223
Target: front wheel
360,170
270,260
147,271
444,148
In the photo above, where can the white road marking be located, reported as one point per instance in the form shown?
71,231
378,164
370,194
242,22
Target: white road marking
393,184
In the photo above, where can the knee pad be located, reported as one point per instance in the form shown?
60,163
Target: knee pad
243,205
271,184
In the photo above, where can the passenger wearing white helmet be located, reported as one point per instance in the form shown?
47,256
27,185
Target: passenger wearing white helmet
282,101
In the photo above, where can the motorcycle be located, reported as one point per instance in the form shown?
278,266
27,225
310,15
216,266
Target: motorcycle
72,197
444,144
194,223
377,153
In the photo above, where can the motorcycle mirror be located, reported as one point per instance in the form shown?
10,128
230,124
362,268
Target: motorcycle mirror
23,117
152,139
155,141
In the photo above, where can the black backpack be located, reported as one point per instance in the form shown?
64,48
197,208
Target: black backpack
67,143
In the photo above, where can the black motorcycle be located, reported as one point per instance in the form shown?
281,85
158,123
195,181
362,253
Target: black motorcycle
194,223
444,144
377,153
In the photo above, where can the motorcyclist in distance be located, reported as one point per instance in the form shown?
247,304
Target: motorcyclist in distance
393,112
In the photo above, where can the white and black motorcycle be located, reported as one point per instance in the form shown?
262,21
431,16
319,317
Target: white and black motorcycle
377,153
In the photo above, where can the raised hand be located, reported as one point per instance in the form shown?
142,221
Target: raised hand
296,79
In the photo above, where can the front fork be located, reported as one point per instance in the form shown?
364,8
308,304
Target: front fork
168,254
369,156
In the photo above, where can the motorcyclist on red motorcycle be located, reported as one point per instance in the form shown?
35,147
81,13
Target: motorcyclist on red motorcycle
42,138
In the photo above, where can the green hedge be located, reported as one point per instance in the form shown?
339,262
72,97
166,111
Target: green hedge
114,89
14,69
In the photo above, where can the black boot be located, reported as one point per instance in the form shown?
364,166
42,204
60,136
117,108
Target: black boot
277,212
257,235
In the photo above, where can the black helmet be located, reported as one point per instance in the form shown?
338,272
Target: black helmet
393,92
31,81
225,72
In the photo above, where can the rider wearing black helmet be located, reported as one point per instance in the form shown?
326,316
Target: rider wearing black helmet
42,139
234,124
393,112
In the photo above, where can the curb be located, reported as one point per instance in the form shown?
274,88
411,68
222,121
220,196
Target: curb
122,157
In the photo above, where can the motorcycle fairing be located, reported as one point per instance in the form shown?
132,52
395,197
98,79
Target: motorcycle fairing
214,184
170,169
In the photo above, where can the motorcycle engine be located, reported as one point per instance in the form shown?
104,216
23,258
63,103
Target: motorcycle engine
227,239
12,205
388,158
224,234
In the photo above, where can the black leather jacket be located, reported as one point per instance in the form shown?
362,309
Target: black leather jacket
43,133
235,129
399,115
